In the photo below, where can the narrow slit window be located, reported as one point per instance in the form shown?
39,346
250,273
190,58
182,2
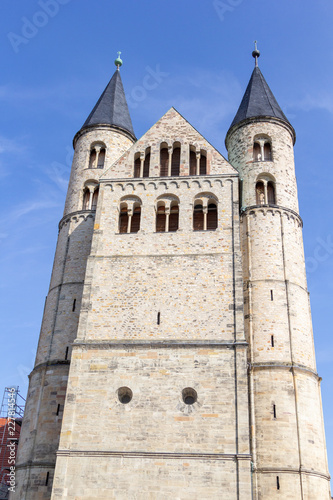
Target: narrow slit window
123,220
274,411
193,163
272,340
272,298
203,164
74,305
277,482
66,353
58,409
135,222
164,161
47,478
175,162
137,164
146,165
160,219
212,217
198,218
158,318
174,218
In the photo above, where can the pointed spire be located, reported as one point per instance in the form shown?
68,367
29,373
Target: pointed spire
258,100
111,108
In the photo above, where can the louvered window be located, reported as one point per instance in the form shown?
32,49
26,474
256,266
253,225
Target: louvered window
193,163
212,216
137,164
174,218
198,218
135,222
123,220
175,163
160,219
203,165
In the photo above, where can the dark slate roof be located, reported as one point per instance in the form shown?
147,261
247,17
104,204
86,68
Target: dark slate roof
258,100
111,108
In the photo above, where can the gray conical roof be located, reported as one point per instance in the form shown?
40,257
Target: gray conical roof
258,101
111,108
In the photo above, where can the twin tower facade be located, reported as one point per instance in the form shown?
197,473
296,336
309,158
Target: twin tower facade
176,356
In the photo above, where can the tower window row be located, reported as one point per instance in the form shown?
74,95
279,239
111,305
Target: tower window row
170,160
97,156
167,217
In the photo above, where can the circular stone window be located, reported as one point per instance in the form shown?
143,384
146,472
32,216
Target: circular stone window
125,395
189,396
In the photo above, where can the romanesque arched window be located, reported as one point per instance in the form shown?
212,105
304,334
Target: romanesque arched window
123,219
270,193
256,152
94,199
101,158
175,161
160,218
211,216
198,217
130,215
193,163
260,193
92,158
97,156
146,164
164,161
267,152
137,165
203,163
174,217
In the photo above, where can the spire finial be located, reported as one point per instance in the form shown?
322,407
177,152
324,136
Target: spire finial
118,62
256,52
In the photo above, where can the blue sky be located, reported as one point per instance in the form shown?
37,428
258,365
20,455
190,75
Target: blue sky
56,59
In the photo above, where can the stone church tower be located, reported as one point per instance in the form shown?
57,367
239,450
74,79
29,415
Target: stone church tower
176,356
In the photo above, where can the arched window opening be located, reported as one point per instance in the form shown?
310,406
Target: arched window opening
198,217
270,193
203,164
174,218
92,158
175,162
212,217
164,162
146,165
94,200
137,164
256,152
101,158
260,193
123,220
193,163
160,219
267,152
86,198
135,221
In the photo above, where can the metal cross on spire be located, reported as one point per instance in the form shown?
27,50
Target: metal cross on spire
256,52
